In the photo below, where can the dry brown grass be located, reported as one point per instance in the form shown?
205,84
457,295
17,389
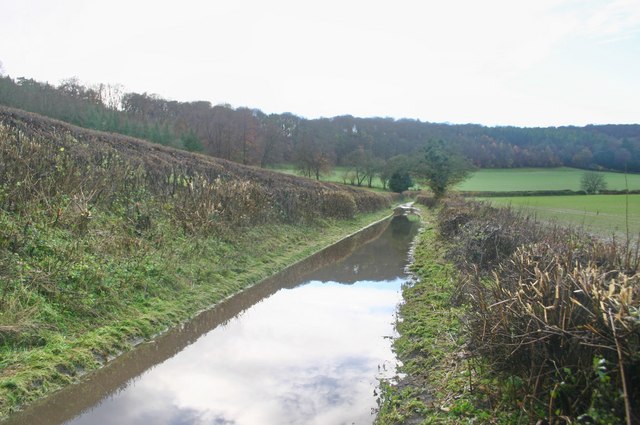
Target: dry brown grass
42,158
555,308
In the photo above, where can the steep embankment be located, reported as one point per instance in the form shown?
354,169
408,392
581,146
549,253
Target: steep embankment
107,240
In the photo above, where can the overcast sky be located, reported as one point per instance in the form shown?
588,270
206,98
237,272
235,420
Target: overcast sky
493,62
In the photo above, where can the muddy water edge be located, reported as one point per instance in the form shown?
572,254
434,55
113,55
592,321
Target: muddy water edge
307,345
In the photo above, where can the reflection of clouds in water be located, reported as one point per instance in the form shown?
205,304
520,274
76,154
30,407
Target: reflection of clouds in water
149,408
303,356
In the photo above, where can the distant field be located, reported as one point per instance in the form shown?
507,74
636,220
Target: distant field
336,175
505,180
513,179
600,214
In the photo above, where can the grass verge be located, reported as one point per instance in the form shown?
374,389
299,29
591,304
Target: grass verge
437,381
145,289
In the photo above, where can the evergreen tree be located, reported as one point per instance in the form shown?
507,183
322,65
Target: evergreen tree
400,181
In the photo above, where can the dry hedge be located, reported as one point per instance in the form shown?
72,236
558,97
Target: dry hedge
557,309
43,159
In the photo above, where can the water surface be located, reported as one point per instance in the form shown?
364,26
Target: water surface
306,347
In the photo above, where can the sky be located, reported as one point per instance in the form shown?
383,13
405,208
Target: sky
491,62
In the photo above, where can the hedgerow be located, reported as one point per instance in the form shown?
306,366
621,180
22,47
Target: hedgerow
553,309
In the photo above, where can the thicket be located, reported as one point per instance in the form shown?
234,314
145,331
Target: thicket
554,312
44,159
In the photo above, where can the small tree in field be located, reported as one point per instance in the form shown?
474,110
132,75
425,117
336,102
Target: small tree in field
443,167
592,182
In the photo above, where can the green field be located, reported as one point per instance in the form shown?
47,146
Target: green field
336,175
604,215
506,179
601,214
516,179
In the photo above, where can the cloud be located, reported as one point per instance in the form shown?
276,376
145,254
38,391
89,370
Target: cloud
611,21
458,61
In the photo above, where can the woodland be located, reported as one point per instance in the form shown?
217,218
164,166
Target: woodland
252,137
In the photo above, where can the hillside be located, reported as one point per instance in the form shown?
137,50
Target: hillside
106,240
166,171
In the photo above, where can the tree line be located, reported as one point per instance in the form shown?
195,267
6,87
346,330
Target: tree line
251,137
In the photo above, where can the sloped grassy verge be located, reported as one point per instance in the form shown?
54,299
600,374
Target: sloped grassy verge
159,282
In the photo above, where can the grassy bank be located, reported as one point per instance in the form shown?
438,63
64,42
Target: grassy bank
440,382
148,290
106,241
430,343
514,321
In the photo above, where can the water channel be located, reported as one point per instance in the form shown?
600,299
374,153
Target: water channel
307,346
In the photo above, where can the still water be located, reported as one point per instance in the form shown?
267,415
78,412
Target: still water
305,347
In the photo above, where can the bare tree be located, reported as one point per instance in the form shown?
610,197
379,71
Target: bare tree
593,182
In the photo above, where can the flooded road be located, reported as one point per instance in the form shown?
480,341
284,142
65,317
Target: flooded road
305,347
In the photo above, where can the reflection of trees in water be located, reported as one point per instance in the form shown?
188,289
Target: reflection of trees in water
383,258
402,230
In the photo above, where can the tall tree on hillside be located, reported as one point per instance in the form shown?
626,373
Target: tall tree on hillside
363,165
251,141
442,167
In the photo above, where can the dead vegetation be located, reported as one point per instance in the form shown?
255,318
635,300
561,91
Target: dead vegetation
57,180
555,312
43,159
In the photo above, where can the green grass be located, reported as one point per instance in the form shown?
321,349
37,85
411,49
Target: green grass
600,214
431,345
336,175
517,179
154,284
506,179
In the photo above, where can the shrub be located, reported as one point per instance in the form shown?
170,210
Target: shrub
545,303
400,181
338,205
427,200
44,158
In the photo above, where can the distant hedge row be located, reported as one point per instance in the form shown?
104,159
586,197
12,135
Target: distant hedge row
490,194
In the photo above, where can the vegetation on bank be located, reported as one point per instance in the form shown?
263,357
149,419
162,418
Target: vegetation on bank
107,240
513,321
